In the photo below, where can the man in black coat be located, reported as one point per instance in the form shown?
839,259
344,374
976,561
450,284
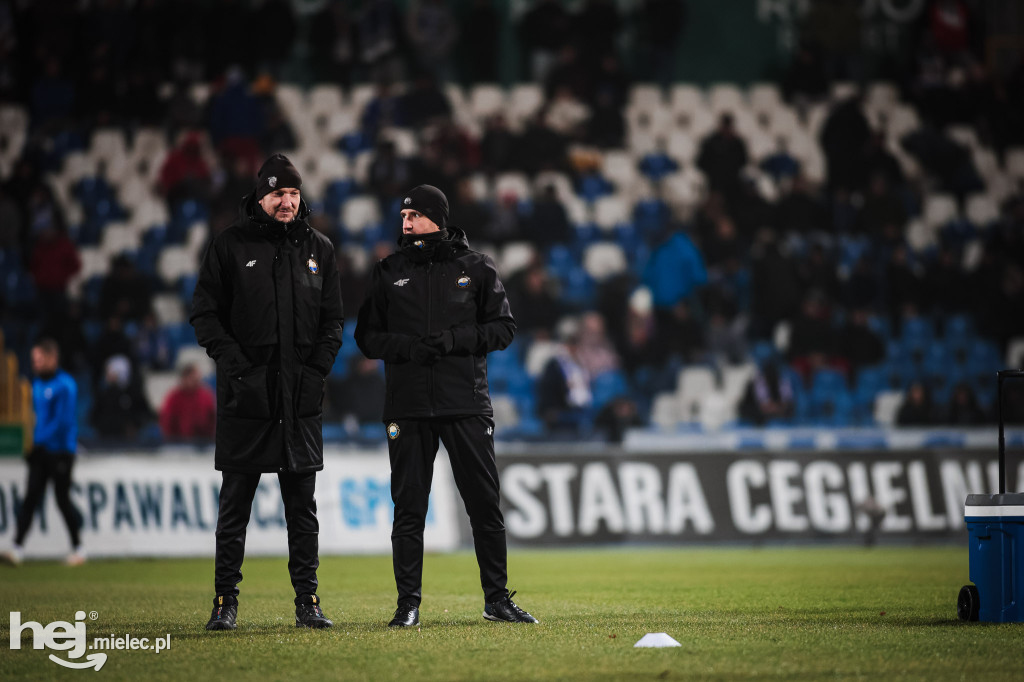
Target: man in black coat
434,310
267,308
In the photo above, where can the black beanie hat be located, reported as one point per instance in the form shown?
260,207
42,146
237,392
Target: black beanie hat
428,200
277,171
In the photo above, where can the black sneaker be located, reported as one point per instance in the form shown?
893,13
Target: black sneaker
506,610
225,610
308,613
406,616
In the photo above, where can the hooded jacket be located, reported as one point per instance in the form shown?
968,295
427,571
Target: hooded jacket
421,290
267,308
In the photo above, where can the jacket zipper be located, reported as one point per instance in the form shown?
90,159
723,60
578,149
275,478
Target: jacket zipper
430,369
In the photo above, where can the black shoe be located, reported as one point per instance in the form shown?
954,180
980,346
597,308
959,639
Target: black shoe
225,610
406,616
308,613
506,610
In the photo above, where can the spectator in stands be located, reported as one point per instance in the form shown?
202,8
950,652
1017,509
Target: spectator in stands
544,29
564,398
769,396
812,341
380,37
356,398
332,42
277,134
905,283
189,411
726,331
963,408
682,332
598,24
861,288
817,271
775,284
844,140
859,345
780,164
882,216
52,98
532,295
505,224
126,293
388,174
610,87
432,31
946,285
499,148
722,156
54,263
236,117
618,414
10,223
181,112
549,223
111,342
879,161
425,103
606,127
640,345
917,408
565,113
480,44
185,173
383,111
805,80
121,409
674,272
949,161
659,25
800,211
152,344
594,350
542,148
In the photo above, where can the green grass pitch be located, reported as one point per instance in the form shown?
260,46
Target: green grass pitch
776,613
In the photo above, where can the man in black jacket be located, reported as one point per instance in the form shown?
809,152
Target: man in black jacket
267,308
434,310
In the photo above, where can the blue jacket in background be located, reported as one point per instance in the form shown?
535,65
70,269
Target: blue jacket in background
54,401
675,270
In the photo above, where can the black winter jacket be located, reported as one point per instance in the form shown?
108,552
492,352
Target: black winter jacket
267,308
410,297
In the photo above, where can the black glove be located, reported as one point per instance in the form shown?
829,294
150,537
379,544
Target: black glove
422,353
442,342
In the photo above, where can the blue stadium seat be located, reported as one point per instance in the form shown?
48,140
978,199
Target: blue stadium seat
607,386
650,216
560,258
593,186
958,331
827,380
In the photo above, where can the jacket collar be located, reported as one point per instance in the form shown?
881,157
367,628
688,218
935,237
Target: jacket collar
253,218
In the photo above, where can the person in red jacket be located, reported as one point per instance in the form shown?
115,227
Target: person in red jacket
54,263
188,412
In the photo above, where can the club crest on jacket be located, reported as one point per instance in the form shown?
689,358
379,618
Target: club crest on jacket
393,430
462,282
312,265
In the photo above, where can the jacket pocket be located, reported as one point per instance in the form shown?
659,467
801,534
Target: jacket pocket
311,393
247,395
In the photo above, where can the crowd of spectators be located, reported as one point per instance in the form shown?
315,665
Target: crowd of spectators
828,263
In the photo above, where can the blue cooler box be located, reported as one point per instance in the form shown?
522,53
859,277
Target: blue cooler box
995,524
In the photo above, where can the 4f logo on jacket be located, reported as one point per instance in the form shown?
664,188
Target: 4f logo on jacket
402,282
250,264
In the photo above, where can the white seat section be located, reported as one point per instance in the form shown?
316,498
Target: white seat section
200,93
361,167
939,209
78,165
648,118
683,97
715,410
1015,353
764,98
735,379
540,353
157,385
150,212
94,262
118,238
682,147
887,406
505,412
516,256
665,410
339,123
646,95
882,95
195,355
684,188
168,308
359,95
619,167
14,118
560,181
332,165
486,99
611,211
604,259
149,142
195,239
1015,162
726,97
108,144
360,213
524,100
405,141
642,141
920,235
965,135
480,187
694,383
175,262
982,210
292,100
456,97
324,99
577,210
516,184
843,90
785,123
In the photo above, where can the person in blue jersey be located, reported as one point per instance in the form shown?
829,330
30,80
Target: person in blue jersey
52,458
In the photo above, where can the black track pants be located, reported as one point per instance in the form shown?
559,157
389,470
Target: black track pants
236,495
42,468
470,446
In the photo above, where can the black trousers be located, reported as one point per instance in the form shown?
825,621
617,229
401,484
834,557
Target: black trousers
236,494
470,446
43,468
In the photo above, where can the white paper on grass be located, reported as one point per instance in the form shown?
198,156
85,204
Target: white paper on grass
655,640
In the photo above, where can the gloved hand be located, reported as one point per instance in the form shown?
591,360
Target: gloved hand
442,342
422,353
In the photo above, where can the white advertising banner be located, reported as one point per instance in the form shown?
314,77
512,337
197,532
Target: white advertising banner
166,505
